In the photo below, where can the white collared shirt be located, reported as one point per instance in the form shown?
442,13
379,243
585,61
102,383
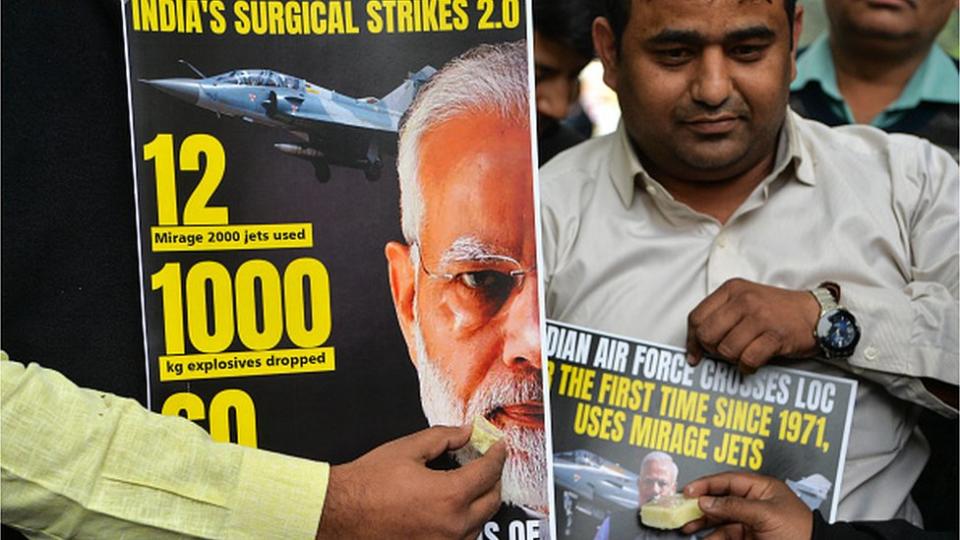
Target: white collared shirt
876,213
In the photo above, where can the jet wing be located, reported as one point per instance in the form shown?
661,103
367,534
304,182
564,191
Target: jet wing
314,112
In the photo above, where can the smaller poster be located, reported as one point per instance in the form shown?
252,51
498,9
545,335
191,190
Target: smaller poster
631,421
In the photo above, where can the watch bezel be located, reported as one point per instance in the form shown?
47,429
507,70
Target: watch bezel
826,323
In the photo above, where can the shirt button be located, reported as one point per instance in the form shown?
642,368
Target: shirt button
651,190
871,353
721,241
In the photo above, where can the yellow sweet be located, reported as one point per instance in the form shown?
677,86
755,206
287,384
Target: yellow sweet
484,434
670,512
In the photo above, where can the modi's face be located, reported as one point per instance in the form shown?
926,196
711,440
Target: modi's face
656,479
466,291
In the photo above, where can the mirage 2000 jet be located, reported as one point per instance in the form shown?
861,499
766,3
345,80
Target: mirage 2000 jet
338,129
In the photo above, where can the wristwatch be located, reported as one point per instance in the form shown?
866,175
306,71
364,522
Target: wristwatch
836,332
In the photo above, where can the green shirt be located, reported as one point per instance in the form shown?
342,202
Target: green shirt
85,464
935,80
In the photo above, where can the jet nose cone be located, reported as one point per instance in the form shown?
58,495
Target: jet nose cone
185,89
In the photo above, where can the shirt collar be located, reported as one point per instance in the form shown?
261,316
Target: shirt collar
625,168
626,171
816,65
935,80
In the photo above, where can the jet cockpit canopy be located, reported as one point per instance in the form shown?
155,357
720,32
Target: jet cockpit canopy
259,77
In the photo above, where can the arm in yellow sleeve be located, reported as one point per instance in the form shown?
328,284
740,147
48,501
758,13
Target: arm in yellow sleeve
85,464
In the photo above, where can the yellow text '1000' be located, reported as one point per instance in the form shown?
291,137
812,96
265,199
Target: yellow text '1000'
257,304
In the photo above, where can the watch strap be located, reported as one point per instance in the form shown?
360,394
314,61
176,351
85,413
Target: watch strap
825,299
834,289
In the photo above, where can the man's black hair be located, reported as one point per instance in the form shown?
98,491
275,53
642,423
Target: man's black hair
618,13
567,22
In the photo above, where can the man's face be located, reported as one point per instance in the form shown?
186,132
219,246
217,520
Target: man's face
557,70
656,478
905,21
468,310
703,84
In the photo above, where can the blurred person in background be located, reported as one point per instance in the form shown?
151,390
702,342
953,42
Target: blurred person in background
879,64
562,47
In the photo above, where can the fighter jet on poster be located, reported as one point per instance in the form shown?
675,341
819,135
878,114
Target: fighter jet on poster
592,484
338,129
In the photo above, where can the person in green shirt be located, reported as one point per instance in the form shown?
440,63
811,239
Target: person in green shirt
78,463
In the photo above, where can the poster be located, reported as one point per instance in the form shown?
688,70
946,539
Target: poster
283,305
631,420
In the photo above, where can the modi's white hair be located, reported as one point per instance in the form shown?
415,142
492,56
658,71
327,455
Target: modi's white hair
487,79
661,457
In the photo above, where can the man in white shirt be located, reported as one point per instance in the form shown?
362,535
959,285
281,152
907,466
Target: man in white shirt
710,216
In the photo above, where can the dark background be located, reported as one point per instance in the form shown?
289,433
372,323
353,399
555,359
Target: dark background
70,286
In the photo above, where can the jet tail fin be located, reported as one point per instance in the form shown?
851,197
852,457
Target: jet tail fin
402,96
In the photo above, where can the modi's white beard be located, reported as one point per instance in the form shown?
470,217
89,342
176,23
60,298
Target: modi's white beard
525,472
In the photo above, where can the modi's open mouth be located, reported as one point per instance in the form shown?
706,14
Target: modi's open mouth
523,414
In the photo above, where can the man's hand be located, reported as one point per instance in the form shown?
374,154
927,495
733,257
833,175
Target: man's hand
390,493
743,505
748,324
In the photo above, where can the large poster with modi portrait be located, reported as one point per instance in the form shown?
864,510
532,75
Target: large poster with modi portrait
337,225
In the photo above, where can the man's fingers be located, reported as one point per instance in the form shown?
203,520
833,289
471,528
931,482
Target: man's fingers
751,513
694,351
430,443
698,317
481,510
736,341
760,351
717,327
480,475
709,304
486,506
699,524
738,484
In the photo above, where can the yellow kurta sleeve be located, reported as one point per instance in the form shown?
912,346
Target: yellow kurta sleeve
77,463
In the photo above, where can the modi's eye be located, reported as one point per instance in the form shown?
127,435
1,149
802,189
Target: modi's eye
488,282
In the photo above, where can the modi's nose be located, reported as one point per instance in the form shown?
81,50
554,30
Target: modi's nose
521,330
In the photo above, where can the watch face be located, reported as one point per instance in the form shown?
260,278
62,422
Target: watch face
838,332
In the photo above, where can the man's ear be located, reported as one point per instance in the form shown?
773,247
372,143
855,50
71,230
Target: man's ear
402,277
605,43
797,30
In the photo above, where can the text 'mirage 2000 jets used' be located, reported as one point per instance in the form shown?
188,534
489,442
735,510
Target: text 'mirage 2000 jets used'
338,129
